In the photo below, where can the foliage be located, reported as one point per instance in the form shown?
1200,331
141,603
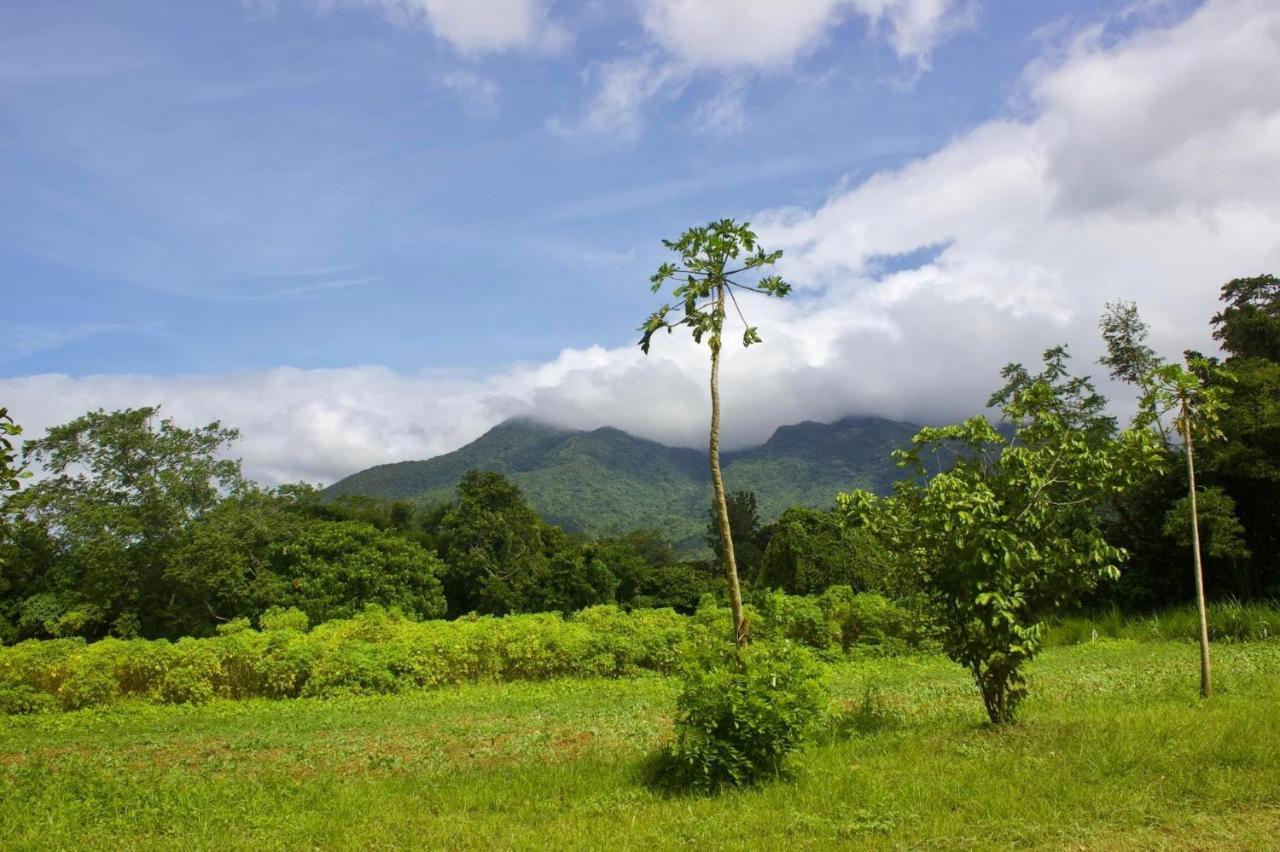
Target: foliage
705,253
12,471
1239,403
502,558
1221,532
332,570
749,538
143,528
1246,464
1009,533
810,551
1249,325
741,714
120,491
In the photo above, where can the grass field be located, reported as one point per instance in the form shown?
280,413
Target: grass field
1115,752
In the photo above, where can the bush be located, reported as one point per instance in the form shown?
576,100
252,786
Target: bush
19,699
741,714
279,618
870,619
88,685
798,619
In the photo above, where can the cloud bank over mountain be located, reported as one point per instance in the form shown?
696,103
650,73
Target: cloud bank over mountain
1144,166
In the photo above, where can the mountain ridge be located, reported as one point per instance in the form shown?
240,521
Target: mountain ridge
605,480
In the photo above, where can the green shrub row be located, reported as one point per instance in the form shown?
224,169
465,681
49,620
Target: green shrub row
385,652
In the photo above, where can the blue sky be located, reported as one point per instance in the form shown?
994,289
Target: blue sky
215,186
206,202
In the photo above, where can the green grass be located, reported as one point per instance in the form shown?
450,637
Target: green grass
1114,751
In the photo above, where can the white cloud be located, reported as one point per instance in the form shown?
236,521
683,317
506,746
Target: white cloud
1145,170
768,34
741,36
479,95
738,33
915,27
476,26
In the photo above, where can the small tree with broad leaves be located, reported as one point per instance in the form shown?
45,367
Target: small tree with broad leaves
710,258
12,471
1006,533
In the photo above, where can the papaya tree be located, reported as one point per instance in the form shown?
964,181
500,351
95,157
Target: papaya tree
711,259
1192,396
1195,405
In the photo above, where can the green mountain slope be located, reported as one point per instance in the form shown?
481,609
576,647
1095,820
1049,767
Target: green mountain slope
606,481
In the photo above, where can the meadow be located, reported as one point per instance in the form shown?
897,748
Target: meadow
1114,750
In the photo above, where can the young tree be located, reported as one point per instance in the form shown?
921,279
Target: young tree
1008,533
1194,403
710,257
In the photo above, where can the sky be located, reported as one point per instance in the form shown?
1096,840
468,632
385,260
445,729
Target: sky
363,231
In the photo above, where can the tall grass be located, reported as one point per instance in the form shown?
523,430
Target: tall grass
1229,621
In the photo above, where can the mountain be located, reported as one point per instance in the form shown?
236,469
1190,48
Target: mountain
605,480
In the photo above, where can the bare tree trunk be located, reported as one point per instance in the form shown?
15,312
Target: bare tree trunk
1195,546
717,487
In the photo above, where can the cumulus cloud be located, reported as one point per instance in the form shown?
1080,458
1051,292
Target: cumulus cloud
1129,177
476,26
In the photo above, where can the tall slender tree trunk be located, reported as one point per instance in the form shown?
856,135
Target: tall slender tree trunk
1205,688
717,488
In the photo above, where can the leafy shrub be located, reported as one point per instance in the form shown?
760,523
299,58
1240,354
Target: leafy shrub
279,618
88,685
799,619
234,626
20,699
869,619
741,714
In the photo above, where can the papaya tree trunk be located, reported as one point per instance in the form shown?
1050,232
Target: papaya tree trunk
717,488
1205,688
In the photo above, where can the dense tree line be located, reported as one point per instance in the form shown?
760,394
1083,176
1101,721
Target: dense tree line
140,527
